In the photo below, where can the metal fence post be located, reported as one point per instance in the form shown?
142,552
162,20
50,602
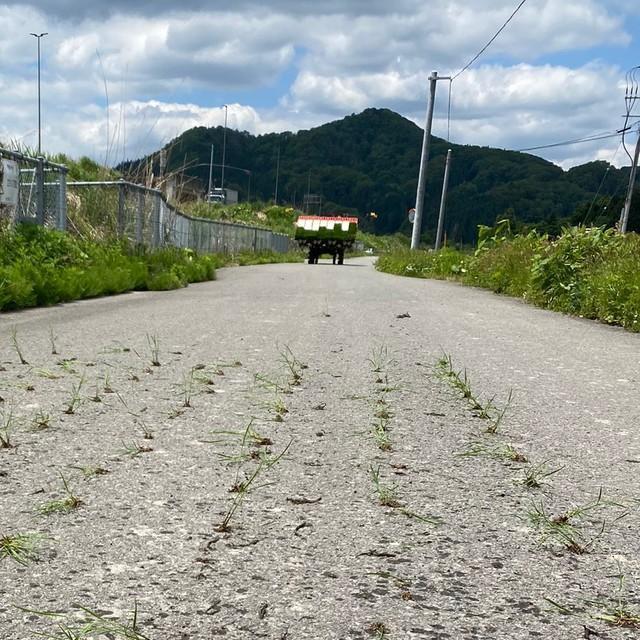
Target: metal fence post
40,190
157,204
255,239
62,200
139,217
121,207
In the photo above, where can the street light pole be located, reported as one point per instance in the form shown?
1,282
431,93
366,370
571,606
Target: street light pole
224,146
210,172
38,36
275,199
424,160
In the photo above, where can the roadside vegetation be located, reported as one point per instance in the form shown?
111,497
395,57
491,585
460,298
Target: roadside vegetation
586,271
259,214
41,266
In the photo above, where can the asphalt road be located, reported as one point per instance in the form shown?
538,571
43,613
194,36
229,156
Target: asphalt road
310,552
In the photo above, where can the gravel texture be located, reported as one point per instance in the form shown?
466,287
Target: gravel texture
310,553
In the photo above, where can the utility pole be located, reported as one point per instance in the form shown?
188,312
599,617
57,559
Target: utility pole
443,201
624,218
224,147
275,199
210,173
424,160
38,36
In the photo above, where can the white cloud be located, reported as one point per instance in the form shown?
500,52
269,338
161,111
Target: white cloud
164,66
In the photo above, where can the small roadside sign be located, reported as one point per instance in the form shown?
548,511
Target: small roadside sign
412,215
9,178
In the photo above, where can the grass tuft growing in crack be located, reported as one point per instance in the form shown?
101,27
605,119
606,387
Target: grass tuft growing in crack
16,345
380,433
7,423
461,382
52,341
617,611
134,449
75,399
477,448
535,476
567,530
154,348
21,547
41,421
386,494
292,365
242,489
91,471
380,359
64,505
92,626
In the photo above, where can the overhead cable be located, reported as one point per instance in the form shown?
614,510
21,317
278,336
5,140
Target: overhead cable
564,143
486,46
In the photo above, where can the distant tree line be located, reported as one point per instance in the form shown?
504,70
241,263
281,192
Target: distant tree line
369,162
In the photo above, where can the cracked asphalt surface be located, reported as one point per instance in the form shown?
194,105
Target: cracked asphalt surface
310,551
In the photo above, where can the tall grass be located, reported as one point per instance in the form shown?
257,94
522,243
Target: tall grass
586,271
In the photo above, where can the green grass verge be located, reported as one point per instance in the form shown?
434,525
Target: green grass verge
588,272
41,267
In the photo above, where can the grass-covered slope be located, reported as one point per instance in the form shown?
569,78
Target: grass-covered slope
258,214
588,272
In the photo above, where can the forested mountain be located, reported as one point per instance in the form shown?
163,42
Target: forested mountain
369,163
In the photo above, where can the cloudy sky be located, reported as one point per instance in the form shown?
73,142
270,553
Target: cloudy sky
556,73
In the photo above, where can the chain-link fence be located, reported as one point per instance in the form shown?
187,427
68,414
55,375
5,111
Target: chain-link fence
124,209
32,190
36,190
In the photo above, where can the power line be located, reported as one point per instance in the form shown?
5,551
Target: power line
486,46
600,136
604,177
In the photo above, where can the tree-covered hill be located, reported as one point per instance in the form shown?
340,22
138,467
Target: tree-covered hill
369,163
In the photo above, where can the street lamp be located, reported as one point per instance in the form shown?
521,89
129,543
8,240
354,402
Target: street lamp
224,145
38,36
275,199
210,172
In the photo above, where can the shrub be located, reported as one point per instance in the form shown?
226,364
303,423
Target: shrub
591,272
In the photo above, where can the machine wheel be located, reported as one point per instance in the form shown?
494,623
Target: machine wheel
341,257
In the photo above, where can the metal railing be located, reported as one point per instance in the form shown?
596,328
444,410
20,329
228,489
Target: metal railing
143,215
39,194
